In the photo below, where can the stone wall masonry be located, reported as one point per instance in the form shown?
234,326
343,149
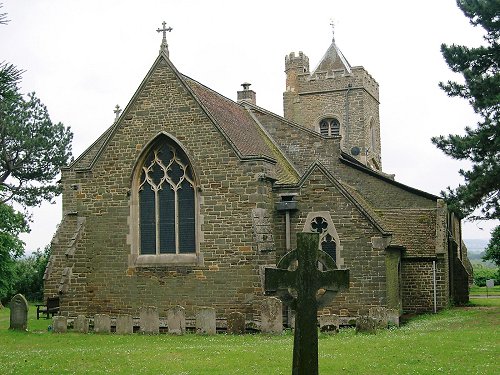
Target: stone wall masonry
226,278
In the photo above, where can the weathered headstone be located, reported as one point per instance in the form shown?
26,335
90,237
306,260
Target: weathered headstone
149,320
306,280
205,321
102,323
393,317
176,320
59,324
271,316
366,324
19,313
329,323
236,323
81,324
124,324
380,315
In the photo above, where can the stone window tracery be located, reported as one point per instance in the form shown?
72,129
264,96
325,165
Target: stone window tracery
329,241
167,209
329,127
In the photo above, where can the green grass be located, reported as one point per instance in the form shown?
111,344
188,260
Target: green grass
456,341
481,291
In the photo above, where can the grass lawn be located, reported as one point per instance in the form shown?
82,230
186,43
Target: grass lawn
462,340
482,291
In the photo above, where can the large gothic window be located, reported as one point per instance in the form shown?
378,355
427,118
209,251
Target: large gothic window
167,208
329,126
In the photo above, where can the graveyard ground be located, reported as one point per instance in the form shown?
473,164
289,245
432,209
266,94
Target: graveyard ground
463,340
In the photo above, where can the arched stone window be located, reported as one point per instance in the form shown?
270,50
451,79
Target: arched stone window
164,207
167,201
329,126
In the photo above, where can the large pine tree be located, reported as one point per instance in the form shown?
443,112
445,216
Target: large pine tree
481,87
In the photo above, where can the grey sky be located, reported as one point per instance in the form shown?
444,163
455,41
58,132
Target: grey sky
84,57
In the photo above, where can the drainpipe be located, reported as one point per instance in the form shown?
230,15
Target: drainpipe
434,284
349,86
287,204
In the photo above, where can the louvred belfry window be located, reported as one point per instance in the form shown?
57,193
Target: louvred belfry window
329,126
167,207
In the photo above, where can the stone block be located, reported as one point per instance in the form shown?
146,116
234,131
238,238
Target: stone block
81,324
271,316
149,321
366,324
176,320
59,324
19,313
393,317
124,324
236,323
380,315
205,321
329,323
102,323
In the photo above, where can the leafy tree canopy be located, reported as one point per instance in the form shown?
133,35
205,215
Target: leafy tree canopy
32,147
493,249
481,87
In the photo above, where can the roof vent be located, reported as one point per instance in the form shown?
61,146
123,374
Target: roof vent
246,95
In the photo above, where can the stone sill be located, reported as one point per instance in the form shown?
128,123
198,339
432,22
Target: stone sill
165,260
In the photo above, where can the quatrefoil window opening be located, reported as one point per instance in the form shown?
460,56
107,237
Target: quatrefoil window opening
167,203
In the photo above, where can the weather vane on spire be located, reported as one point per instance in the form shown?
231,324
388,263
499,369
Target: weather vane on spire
164,44
332,24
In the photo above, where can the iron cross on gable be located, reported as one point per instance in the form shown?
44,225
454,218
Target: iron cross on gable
164,29
306,280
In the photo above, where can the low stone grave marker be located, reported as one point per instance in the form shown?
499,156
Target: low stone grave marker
176,320
102,323
19,313
81,324
366,324
205,321
329,323
59,324
236,323
380,315
149,320
124,324
271,316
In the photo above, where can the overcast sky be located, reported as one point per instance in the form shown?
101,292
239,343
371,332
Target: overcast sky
84,57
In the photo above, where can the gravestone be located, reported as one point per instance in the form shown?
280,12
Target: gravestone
124,324
236,323
59,324
329,323
81,324
149,320
306,280
380,314
205,321
271,316
366,324
393,317
19,313
102,323
176,320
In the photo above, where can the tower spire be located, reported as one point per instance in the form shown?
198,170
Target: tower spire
164,44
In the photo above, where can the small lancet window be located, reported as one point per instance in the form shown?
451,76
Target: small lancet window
329,126
167,202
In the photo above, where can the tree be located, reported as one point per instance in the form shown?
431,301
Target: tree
480,144
29,273
12,223
492,251
32,147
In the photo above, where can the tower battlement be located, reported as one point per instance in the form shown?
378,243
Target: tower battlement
297,61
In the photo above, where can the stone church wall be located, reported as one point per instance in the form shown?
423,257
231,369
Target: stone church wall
229,191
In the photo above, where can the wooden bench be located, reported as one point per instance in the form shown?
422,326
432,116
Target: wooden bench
51,307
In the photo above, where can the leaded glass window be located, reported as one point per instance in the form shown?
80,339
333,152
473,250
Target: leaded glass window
167,209
327,242
329,126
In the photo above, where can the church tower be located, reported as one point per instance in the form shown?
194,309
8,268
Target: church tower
335,100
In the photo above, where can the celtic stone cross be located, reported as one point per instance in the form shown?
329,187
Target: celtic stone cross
306,280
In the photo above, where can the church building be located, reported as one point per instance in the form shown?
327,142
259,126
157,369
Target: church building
189,195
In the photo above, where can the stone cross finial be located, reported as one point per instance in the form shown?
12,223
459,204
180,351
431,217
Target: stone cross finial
306,280
164,44
332,24
117,112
